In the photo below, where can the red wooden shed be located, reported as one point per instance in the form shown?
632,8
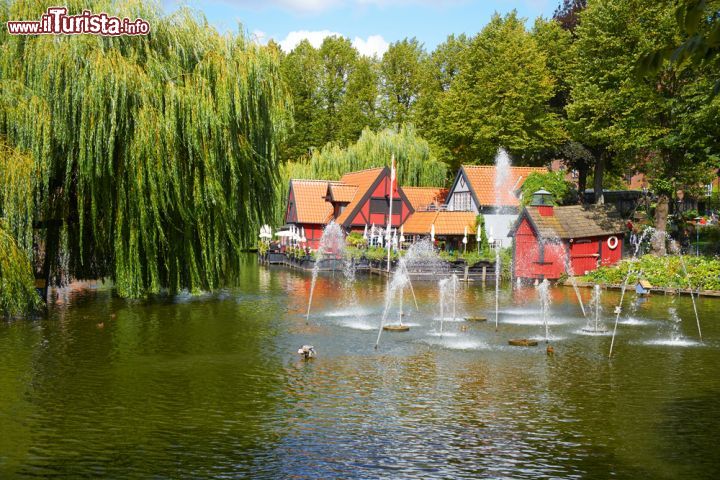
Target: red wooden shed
550,240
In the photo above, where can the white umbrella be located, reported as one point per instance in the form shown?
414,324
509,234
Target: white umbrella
302,233
365,232
432,233
402,234
464,240
284,233
395,239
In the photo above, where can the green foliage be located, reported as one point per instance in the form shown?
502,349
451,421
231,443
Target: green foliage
355,239
484,242
448,256
401,71
301,72
157,154
703,272
658,124
17,288
554,182
263,247
355,253
376,254
500,98
699,43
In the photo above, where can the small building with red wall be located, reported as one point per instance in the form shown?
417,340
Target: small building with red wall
306,208
370,203
549,239
358,200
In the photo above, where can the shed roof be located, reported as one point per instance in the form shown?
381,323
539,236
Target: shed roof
310,203
575,221
482,183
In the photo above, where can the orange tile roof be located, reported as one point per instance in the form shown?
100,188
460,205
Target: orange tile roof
454,223
419,223
446,223
364,180
342,193
421,197
482,181
310,203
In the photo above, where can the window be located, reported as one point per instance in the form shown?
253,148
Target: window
462,202
379,205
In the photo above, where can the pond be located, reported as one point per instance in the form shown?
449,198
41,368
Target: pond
212,386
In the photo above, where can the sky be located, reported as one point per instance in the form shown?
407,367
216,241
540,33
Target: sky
371,24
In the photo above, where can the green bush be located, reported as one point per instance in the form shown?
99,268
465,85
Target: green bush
356,239
353,253
702,272
376,253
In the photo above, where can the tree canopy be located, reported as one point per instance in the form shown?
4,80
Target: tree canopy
149,159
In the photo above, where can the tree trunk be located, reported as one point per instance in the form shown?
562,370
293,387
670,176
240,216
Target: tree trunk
598,179
582,180
661,216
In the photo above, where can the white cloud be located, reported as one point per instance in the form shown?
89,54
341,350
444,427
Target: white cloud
374,46
315,38
307,5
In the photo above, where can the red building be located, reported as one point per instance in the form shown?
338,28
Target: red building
370,203
549,239
358,199
307,208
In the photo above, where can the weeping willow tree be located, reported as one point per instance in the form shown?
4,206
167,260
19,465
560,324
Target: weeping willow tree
17,288
416,166
152,158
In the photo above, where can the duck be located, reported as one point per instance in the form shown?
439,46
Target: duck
307,352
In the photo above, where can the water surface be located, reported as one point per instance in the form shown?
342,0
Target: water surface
211,386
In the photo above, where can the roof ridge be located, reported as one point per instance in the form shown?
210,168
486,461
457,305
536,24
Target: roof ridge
364,170
316,180
495,166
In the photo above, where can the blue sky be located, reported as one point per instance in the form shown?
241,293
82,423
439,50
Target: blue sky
371,24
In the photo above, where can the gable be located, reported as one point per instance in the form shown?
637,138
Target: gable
307,203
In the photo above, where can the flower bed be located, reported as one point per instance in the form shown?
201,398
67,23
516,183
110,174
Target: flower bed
702,272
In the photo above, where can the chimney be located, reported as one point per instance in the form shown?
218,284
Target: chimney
543,200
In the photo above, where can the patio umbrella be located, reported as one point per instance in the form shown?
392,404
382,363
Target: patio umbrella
432,233
465,240
365,232
402,235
